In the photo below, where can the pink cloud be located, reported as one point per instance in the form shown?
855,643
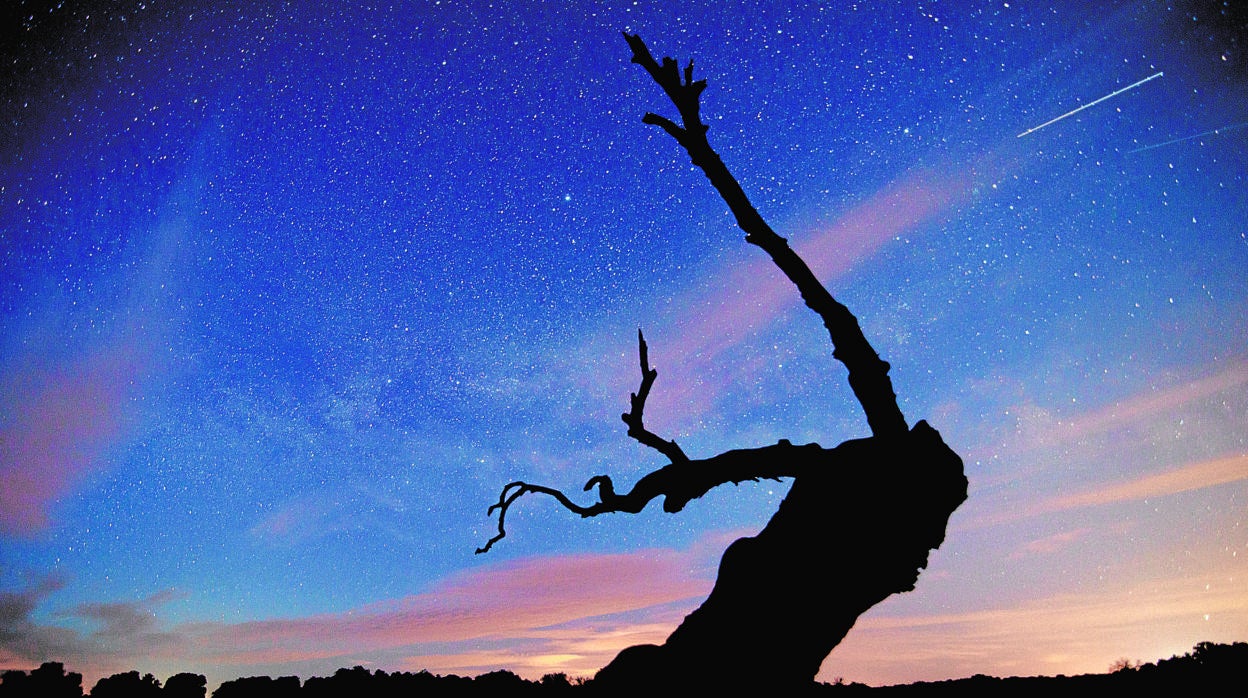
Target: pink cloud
748,297
573,613
62,419
566,613
753,295
1146,404
576,649
1192,476
514,600
1104,433
1066,634
1051,544
1183,478
1042,430
295,522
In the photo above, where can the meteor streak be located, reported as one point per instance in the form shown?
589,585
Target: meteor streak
1072,112
1212,132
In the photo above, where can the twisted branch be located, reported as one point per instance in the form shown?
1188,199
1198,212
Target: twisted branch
868,373
678,483
649,487
637,402
683,479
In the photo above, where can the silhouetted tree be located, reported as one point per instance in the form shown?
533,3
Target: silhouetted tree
420,683
1209,665
259,687
13,683
500,683
1123,664
855,527
127,685
50,680
345,682
186,685
555,684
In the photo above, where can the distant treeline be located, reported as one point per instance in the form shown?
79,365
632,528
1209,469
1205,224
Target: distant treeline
1206,667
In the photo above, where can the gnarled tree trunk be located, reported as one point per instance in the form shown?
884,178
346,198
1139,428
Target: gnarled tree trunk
856,526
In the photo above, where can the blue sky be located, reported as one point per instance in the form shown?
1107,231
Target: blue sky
288,293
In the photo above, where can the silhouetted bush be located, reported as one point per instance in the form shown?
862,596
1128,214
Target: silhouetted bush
422,683
186,686
500,683
48,681
259,687
1207,667
127,685
555,684
356,681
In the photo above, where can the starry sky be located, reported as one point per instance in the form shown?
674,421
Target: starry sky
289,291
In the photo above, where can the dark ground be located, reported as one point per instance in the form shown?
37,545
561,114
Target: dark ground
1209,669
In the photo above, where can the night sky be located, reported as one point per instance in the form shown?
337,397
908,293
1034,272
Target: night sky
289,291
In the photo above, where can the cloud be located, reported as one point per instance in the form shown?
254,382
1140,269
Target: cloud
1193,476
129,627
544,614
23,639
95,639
1150,403
61,419
1052,544
1186,437
1074,633
1184,478
294,522
514,598
1039,429
753,295
576,649
747,297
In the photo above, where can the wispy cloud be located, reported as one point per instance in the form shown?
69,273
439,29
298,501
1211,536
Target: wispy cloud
66,392
129,627
1041,430
21,638
1068,634
579,648
1160,442
1184,478
60,420
747,297
1193,476
1053,543
517,597
296,522
564,613
1143,405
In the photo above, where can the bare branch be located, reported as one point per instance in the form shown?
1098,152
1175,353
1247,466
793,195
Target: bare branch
678,483
513,491
684,94
636,429
664,123
683,479
868,373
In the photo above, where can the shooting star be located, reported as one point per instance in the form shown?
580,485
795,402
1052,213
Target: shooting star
1212,132
1072,112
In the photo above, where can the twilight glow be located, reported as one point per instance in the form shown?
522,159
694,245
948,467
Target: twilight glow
288,293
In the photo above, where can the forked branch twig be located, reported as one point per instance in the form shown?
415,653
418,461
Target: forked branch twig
637,403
